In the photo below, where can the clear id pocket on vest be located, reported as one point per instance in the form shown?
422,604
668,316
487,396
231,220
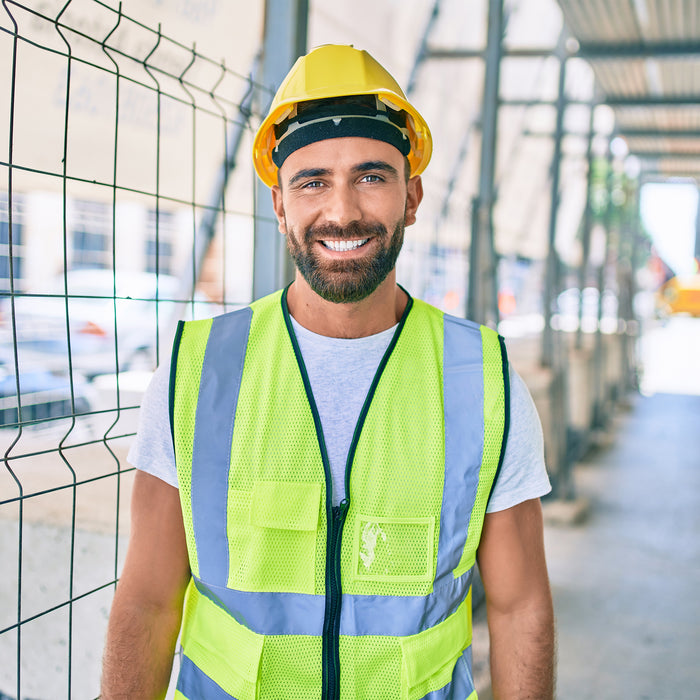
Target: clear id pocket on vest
272,541
393,549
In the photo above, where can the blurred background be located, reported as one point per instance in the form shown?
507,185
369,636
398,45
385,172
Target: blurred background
561,208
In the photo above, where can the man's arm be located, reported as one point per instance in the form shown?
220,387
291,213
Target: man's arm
147,608
518,603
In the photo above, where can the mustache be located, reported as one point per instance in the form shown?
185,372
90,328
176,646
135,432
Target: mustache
354,229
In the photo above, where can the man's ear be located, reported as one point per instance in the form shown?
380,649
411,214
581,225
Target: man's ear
279,208
414,196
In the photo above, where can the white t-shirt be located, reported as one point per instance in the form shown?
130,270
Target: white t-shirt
340,371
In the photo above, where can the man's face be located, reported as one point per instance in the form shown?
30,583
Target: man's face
343,204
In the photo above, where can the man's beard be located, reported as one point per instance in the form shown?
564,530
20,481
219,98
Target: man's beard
346,281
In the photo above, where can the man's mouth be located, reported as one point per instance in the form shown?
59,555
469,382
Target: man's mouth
342,246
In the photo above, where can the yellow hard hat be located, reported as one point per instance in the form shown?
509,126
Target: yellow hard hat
334,71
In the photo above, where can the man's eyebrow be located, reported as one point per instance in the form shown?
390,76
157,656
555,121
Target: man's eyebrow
309,172
376,165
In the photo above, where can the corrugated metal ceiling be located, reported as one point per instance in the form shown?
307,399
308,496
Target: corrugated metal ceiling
645,55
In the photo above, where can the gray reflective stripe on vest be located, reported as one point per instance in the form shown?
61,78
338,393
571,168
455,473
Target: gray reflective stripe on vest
300,613
194,684
211,452
463,386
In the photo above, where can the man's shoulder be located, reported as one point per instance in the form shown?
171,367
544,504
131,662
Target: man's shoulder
453,325
265,306
424,307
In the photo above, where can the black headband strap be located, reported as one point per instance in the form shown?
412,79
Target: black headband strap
338,127
317,121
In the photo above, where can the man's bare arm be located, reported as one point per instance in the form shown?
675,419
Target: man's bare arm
147,608
518,603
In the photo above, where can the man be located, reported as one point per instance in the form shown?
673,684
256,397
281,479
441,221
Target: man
322,498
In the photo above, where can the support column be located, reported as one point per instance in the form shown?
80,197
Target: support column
482,303
600,416
553,354
283,42
587,224
552,274
626,275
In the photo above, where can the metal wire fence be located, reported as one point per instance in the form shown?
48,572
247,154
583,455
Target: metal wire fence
121,210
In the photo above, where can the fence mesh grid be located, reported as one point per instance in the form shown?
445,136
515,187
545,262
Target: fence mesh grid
120,212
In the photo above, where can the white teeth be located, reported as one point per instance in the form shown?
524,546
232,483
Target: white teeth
341,246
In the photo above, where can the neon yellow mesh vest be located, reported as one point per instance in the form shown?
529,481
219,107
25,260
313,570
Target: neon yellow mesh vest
292,598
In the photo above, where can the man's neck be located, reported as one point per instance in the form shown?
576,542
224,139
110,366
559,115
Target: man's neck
379,311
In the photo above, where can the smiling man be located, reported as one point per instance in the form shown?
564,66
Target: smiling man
319,473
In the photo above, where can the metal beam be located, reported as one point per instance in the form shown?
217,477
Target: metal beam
671,175
482,304
653,101
452,54
423,50
522,102
682,155
613,101
462,53
627,133
659,133
603,50
592,51
284,41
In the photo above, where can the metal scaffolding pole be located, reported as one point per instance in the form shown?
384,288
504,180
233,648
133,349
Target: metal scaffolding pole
627,288
599,360
552,270
554,355
587,224
284,41
482,304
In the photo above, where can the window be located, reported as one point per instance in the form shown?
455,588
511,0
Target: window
17,242
91,233
159,242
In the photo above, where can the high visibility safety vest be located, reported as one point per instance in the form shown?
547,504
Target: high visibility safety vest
291,597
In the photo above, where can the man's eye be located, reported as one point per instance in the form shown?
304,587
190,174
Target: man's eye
311,185
371,178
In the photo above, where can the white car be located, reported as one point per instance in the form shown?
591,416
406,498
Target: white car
109,329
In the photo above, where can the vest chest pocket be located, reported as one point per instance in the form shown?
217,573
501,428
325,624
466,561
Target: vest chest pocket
272,536
393,550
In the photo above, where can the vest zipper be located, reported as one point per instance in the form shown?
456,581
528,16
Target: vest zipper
331,624
335,515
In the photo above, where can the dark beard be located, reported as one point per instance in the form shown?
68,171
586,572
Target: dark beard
344,282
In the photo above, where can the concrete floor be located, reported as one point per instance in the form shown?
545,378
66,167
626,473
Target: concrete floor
626,582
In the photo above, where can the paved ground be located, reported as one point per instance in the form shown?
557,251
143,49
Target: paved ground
625,583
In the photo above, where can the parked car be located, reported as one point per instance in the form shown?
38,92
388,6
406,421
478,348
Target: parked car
41,394
108,328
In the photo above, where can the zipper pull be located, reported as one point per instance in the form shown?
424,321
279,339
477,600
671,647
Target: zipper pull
340,510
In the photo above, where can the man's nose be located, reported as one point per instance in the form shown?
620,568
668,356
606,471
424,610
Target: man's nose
343,206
